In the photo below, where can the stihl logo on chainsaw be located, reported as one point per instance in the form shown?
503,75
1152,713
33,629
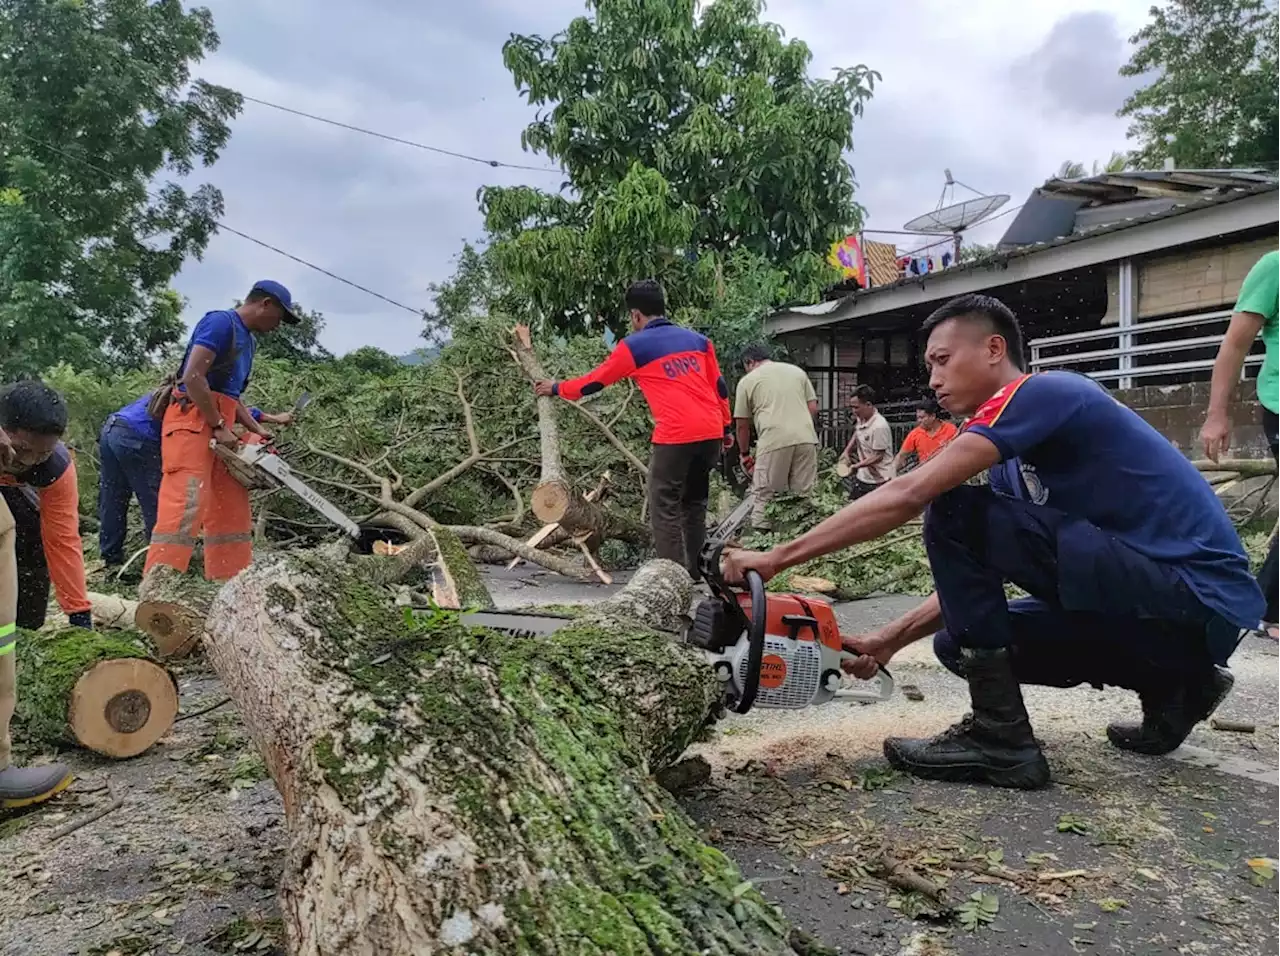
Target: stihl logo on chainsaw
773,672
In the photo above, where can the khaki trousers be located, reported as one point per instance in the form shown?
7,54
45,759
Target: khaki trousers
8,612
793,468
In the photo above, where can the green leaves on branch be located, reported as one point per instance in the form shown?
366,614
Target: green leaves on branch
688,136
1213,102
96,102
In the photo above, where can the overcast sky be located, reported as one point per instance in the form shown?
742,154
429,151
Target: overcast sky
998,91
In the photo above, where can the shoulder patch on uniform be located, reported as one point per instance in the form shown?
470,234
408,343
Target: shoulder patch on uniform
991,410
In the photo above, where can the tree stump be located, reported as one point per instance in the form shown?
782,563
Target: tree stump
97,691
172,608
451,789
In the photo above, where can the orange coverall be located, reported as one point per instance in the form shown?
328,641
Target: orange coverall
198,494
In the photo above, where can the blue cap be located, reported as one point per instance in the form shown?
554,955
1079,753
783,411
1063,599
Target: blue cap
281,295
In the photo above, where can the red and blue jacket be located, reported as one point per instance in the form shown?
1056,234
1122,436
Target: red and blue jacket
678,375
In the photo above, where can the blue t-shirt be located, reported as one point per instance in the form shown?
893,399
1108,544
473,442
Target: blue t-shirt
136,416
225,334
1091,457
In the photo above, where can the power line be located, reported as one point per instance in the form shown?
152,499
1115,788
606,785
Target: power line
495,163
321,270
237,232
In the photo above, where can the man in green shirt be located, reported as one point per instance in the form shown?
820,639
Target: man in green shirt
779,400
1255,312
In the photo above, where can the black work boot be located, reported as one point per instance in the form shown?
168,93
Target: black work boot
992,745
1169,714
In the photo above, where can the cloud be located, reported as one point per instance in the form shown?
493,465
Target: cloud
392,218
1076,70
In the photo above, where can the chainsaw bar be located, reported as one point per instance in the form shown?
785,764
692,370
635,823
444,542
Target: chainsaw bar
516,623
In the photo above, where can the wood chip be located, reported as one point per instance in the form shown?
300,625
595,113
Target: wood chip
1232,726
1061,875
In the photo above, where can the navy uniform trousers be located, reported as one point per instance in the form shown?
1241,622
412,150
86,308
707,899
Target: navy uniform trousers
1099,612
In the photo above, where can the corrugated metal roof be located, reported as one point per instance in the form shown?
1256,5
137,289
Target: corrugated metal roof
1192,203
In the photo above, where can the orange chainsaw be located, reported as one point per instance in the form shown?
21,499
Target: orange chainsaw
778,651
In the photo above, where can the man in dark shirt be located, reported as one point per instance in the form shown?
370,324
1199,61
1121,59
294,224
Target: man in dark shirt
39,486
1137,576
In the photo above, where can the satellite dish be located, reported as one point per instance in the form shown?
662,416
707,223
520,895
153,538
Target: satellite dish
957,217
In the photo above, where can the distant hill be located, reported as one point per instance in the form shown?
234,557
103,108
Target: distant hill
422,356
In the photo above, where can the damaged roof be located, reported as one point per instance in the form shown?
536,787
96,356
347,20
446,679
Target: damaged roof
1063,208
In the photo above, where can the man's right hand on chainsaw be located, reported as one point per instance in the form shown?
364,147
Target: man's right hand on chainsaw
873,649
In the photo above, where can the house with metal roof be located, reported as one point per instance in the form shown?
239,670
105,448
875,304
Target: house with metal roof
1126,277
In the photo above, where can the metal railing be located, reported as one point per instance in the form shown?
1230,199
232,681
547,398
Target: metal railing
1119,359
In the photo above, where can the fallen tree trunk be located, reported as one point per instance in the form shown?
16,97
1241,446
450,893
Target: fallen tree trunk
172,608
457,790
97,691
554,500
113,611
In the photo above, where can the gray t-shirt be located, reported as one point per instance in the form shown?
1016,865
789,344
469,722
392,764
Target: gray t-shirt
872,436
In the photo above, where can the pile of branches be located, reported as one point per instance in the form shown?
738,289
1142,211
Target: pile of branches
462,439
893,564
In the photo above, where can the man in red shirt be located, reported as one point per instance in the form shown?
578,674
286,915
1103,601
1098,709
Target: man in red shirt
678,375
926,439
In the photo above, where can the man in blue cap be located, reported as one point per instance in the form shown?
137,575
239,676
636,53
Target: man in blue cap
197,493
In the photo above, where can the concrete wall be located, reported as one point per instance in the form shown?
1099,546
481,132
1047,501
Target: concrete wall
1177,412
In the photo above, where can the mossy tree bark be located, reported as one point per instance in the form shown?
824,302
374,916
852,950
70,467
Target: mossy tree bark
457,790
97,691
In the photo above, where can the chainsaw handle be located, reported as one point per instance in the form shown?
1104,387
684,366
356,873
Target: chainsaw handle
755,650
882,680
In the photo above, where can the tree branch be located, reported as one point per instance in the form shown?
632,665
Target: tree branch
472,535
632,458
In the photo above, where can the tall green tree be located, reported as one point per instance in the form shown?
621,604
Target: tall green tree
469,293
296,343
1070,169
688,133
1213,100
98,110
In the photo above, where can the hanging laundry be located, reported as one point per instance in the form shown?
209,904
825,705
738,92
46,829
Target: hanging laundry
947,259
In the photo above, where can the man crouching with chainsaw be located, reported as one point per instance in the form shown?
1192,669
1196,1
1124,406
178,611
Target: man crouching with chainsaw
1137,576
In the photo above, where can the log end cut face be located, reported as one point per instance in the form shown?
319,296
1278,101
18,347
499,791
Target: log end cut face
120,708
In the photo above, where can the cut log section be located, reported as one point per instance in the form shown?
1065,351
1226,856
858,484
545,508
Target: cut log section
449,789
554,500
97,691
172,608
113,611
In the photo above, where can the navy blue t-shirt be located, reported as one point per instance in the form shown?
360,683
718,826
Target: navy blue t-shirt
1093,458
225,334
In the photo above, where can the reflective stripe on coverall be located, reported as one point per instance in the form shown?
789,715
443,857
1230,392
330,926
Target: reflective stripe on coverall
8,637
198,494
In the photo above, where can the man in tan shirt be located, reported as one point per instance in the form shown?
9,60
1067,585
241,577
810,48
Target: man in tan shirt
779,400
870,450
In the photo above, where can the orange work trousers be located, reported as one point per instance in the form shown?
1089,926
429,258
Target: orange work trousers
198,495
